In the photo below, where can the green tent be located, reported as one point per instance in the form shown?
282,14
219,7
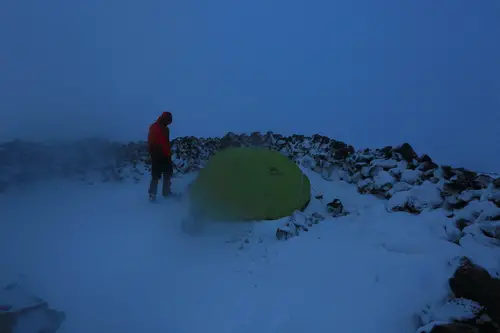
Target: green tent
249,184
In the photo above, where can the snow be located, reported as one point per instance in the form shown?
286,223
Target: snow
113,262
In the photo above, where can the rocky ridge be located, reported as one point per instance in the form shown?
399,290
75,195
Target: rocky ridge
408,182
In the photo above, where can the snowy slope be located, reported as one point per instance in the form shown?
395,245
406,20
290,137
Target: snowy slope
114,262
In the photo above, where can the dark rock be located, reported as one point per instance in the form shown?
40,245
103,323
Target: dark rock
473,282
461,224
229,140
465,174
482,182
425,158
321,139
336,145
406,150
427,166
455,203
496,183
37,318
336,208
256,139
387,150
342,153
283,234
447,172
454,187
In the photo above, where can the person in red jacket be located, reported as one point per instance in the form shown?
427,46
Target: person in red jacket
161,155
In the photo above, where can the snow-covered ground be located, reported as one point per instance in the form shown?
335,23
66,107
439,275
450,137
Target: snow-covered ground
113,262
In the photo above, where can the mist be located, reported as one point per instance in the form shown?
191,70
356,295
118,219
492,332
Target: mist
369,73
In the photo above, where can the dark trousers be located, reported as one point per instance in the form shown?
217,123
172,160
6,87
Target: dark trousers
161,167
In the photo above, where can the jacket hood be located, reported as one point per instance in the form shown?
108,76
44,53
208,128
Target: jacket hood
165,117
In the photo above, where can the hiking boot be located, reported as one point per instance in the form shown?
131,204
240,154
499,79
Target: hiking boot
152,197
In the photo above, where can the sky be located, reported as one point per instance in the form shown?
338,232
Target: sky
370,73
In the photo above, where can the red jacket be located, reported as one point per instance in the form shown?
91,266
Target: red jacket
159,137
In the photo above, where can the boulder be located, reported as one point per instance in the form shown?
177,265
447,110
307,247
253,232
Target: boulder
22,312
406,151
473,282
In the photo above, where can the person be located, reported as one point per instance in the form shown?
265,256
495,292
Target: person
160,152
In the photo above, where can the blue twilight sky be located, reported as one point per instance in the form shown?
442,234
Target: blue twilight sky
368,72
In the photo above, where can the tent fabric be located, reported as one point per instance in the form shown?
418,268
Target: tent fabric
249,184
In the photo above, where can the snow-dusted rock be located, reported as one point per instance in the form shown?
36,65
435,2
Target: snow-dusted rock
447,327
406,151
398,187
411,176
469,195
22,312
385,164
336,208
451,310
473,282
383,181
486,234
494,197
479,211
297,223
415,200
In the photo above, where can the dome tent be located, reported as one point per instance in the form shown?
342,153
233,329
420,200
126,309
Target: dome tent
249,184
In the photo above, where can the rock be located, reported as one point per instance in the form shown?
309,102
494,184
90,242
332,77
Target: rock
337,145
491,230
398,187
473,282
229,140
411,176
383,181
494,197
454,187
320,139
453,202
461,224
343,153
469,195
496,183
479,211
387,151
427,166
415,200
425,158
297,223
440,327
21,312
447,172
406,151
464,174
385,163
336,208
481,182
451,310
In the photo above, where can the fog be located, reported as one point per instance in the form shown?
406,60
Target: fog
369,73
